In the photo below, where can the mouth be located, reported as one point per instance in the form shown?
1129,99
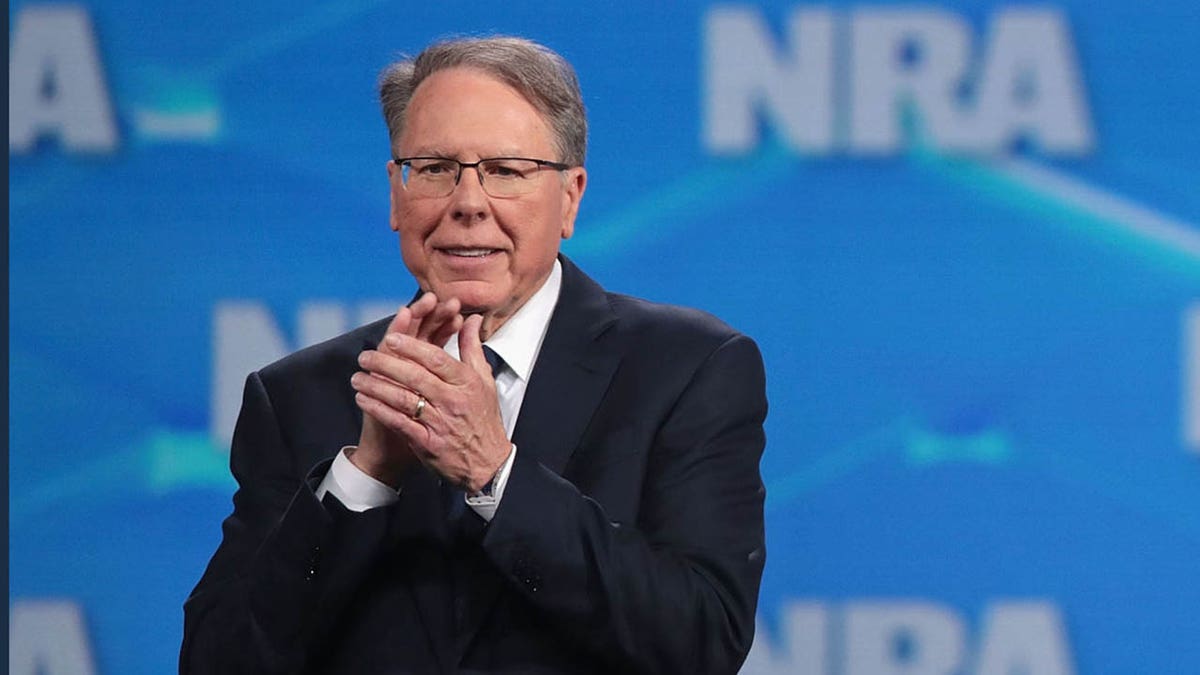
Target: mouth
469,252
468,260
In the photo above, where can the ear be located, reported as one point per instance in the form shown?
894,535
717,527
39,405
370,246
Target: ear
394,179
574,183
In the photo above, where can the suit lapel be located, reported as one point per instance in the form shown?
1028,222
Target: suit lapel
572,372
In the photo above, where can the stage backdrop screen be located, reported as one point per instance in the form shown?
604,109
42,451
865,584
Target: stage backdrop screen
965,235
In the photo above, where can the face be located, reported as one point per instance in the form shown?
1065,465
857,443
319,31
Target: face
492,254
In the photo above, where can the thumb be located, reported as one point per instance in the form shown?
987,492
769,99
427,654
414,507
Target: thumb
470,347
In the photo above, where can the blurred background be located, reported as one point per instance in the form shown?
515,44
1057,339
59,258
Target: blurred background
966,236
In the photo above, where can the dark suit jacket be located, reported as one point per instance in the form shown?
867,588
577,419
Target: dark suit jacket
630,537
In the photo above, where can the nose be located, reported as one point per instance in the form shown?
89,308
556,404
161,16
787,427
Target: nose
469,201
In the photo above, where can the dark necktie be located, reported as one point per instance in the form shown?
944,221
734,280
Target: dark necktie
494,360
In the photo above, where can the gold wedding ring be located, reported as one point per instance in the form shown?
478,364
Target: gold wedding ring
421,402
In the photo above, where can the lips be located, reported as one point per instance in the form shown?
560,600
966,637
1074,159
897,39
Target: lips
468,260
469,252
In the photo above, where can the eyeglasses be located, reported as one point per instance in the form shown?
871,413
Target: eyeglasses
500,177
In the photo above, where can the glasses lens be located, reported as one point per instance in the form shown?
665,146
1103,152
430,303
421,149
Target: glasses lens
429,177
509,177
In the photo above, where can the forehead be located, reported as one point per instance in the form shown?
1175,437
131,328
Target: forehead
467,114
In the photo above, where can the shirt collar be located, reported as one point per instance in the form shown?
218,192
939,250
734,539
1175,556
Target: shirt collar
520,338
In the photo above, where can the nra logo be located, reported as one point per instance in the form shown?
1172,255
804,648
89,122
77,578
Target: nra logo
873,80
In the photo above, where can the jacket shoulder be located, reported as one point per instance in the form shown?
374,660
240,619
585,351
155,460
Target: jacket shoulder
654,323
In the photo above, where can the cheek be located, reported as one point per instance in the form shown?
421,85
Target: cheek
414,225
414,222
413,256
539,240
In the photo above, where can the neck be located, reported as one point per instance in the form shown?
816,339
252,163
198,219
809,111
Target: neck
491,324
492,320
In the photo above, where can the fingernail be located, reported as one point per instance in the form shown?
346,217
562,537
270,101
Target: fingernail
394,340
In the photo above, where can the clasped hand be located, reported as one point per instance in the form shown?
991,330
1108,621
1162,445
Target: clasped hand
458,431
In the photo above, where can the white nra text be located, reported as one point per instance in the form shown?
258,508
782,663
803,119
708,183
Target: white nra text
877,80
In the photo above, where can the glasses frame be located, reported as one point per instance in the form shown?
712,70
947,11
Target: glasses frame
541,163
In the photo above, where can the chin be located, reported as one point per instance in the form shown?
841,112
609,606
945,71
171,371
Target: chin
476,296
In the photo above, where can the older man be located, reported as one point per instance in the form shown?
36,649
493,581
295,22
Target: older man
519,472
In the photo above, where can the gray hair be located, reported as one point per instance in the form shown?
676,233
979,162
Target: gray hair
539,74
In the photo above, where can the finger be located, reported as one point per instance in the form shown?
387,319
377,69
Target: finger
443,334
434,323
399,324
401,321
412,431
432,360
420,310
401,369
396,397
470,347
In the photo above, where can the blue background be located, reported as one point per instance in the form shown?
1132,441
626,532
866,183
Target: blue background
976,387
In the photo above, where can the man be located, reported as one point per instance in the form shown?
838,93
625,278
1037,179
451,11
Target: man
517,473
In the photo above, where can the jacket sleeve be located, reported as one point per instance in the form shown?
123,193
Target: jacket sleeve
676,591
286,562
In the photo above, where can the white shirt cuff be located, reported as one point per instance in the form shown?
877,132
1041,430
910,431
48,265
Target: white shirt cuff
486,505
353,487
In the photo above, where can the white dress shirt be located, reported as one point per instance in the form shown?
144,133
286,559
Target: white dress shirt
518,342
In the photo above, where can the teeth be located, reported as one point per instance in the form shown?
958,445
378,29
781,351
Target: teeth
470,252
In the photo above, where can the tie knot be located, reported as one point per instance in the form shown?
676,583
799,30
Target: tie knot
493,360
